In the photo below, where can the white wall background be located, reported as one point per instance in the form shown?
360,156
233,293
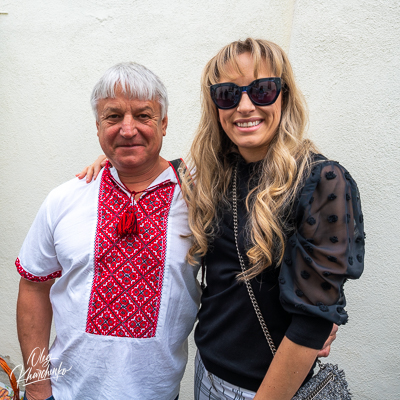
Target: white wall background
346,57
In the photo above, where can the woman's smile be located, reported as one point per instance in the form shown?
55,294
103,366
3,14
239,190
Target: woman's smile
250,123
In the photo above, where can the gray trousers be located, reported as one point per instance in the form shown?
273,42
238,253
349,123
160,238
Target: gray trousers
209,387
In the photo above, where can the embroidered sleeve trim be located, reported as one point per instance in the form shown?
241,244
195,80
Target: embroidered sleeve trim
35,278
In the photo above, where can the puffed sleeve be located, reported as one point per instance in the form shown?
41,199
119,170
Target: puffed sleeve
327,247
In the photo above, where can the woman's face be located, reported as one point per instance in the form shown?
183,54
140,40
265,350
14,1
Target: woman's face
249,126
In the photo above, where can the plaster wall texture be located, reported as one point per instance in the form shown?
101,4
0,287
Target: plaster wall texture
344,53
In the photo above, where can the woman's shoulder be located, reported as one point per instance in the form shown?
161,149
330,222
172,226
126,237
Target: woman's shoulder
324,171
326,180
318,162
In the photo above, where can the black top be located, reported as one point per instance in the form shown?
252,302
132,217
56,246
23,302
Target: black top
300,299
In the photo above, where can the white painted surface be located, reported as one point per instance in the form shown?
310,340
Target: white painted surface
346,56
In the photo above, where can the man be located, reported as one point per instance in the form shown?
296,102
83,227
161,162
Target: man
126,299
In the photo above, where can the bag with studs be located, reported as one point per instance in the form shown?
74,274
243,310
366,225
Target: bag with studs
330,382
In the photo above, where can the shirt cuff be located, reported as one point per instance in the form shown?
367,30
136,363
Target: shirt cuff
309,331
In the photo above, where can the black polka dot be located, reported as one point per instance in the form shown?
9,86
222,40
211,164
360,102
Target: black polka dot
332,258
351,260
326,273
311,220
326,285
299,293
359,239
305,274
348,196
300,306
347,175
310,240
282,281
361,218
308,260
332,196
311,200
322,307
348,217
330,175
334,239
288,261
359,257
309,248
332,218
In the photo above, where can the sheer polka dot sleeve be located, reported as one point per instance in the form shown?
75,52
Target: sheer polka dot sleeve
327,248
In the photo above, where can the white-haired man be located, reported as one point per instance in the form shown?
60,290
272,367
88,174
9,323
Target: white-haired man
126,299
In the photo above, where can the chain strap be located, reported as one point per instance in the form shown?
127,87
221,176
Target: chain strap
248,285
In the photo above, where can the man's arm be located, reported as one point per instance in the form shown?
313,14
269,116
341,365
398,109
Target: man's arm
34,315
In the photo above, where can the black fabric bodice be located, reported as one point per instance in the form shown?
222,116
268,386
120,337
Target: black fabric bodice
228,335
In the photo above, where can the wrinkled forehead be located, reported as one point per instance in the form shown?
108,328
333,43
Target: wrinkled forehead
124,101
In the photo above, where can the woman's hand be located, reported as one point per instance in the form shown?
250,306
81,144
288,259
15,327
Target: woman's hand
324,352
93,170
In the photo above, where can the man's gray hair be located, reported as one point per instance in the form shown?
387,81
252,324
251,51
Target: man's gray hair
136,81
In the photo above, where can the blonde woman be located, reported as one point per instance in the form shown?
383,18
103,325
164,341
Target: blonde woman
265,208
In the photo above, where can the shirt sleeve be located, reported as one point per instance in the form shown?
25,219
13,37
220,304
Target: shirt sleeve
326,249
37,260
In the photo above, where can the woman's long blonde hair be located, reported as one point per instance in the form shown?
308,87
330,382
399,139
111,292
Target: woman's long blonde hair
284,166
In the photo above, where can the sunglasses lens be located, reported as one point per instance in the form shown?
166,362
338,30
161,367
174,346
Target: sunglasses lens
226,96
263,93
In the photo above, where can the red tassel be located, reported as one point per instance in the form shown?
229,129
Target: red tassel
127,225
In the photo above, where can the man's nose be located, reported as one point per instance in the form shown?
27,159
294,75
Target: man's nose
245,105
128,127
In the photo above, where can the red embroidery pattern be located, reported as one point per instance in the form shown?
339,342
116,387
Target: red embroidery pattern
128,272
35,278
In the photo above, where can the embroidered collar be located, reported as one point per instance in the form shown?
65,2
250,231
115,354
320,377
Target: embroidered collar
127,224
163,179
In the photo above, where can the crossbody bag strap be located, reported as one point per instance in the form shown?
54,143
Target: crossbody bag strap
242,266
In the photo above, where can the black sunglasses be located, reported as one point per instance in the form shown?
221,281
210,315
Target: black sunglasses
262,92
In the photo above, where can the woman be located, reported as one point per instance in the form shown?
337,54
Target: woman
299,228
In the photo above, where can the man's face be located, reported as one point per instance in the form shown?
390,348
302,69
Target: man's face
130,132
